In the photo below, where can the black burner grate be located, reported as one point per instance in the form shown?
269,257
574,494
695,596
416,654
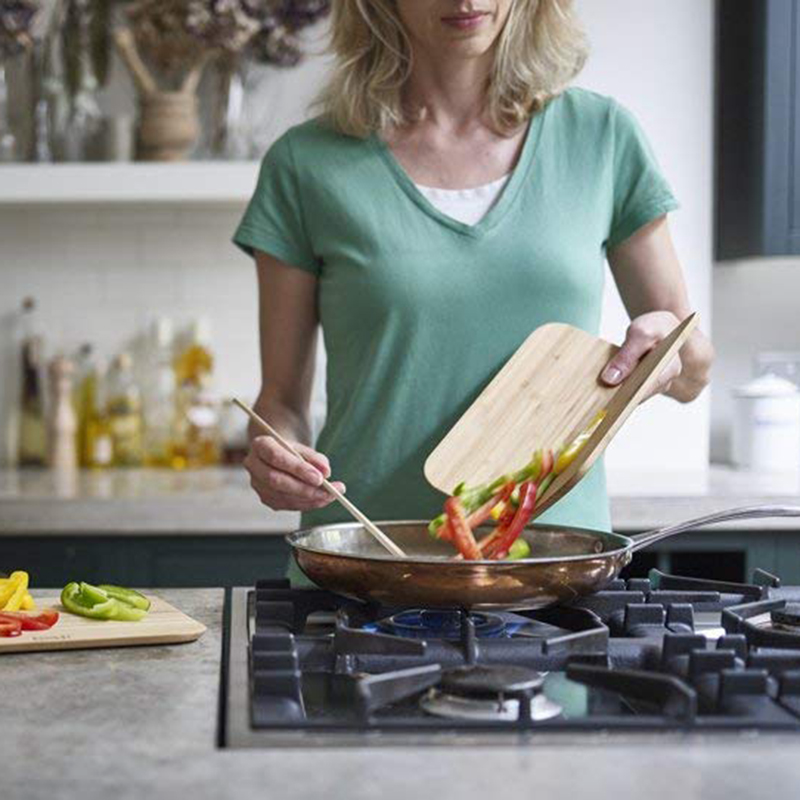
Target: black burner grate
635,655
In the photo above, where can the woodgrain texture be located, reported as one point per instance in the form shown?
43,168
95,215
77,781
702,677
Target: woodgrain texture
544,395
164,624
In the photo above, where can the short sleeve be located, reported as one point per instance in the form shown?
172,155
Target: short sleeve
273,221
641,193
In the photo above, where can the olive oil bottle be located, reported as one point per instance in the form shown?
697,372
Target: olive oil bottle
198,440
84,400
124,408
194,363
99,446
161,428
94,444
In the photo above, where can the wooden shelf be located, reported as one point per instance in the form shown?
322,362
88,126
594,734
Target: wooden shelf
185,183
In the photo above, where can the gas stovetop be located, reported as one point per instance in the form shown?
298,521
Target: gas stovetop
304,666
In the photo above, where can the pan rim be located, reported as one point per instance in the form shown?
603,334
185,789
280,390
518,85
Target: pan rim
294,541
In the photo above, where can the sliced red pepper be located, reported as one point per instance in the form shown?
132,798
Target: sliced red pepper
498,548
10,626
445,533
462,533
479,515
507,516
42,621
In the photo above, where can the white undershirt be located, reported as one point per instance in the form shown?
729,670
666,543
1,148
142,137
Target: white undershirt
466,205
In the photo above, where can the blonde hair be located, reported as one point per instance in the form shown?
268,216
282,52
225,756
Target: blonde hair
539,51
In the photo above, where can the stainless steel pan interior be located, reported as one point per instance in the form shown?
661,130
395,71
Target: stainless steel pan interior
565,563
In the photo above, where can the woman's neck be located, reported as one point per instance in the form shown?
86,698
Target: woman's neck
448,93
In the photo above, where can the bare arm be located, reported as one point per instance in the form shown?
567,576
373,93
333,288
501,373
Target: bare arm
288,333
650,281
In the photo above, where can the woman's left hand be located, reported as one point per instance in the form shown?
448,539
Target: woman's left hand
644,333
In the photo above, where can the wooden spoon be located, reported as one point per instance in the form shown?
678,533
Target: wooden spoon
370,526
544,396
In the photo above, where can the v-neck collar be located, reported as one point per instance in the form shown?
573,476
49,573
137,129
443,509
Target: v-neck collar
506,199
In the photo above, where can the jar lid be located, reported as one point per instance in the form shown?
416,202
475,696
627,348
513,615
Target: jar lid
768,385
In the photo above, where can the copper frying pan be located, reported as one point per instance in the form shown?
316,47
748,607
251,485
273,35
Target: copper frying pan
565,564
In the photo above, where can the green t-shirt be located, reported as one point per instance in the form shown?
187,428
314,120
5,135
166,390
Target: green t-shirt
419,311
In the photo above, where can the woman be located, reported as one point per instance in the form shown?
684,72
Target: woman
453,196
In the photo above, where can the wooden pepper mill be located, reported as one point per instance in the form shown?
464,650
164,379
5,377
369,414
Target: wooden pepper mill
62,424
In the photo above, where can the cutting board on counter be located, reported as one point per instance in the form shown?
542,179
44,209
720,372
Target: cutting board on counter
164,624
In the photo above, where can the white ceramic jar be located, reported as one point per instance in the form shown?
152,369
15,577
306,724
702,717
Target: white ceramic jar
766,431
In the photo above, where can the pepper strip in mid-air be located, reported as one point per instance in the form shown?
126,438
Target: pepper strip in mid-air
510,500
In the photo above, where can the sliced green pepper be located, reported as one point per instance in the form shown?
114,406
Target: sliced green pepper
129,596
520,549
545,484
91,601
436,523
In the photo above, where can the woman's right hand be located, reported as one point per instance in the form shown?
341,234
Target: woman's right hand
285,482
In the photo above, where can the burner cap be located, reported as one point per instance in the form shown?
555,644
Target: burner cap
494,679
788,616
451,706
420,623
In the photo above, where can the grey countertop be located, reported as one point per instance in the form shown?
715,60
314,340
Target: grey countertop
141,722
220,501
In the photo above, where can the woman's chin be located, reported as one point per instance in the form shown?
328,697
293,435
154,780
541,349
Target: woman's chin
465,46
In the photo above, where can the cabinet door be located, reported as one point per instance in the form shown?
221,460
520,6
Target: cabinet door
787,118
235,561
758,142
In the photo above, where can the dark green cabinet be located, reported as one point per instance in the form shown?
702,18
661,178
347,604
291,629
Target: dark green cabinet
757,137
152,561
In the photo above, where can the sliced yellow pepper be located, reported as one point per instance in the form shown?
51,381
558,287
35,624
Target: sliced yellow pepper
28,603
18,583
7,588
569,453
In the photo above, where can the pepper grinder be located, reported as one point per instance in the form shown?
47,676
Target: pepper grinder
62,424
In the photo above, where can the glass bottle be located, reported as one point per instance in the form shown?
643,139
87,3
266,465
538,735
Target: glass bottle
124,408
32,450
49,98
8,141
84,400
194,363
160,423
198,443
83,130
230,138
99,445
52,101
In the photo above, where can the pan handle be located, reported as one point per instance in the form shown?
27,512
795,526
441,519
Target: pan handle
643,540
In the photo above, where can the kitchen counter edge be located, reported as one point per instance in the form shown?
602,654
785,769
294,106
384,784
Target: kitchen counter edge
220,502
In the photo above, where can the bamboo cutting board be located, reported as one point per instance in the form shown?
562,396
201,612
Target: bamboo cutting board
544,396
164,624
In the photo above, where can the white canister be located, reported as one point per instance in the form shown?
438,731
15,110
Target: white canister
766,431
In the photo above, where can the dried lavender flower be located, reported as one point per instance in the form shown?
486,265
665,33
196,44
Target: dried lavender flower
159,27
17,20
221,24
276,41
175,33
